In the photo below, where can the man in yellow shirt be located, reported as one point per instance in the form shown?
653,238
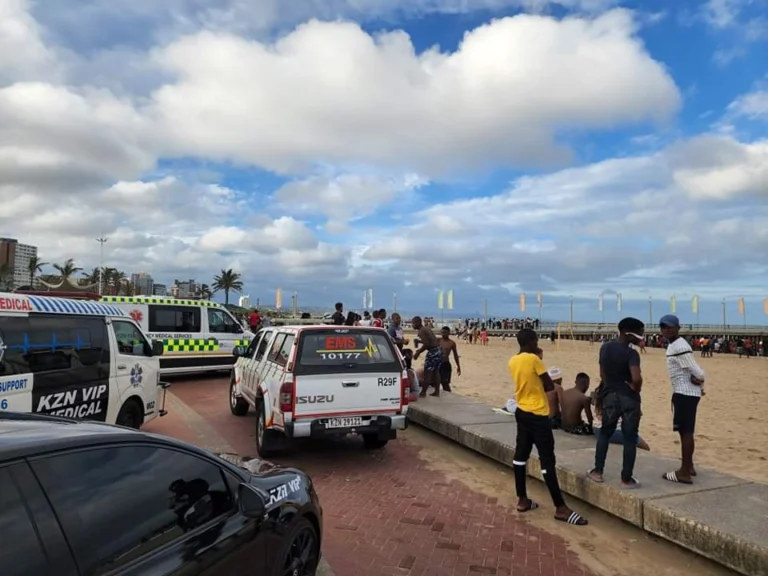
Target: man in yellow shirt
534,427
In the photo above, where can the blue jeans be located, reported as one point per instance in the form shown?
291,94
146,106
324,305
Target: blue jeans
617,406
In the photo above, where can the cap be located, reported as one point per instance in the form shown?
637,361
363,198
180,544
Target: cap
555,373
670,320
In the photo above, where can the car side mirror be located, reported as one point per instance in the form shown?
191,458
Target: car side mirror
157,348
251,501
238,351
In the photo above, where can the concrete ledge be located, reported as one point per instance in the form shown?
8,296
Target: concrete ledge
721,517
728,525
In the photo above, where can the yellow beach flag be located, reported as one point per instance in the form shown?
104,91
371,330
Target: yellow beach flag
450,300
522,302
440,300
673,304
742,307
695,304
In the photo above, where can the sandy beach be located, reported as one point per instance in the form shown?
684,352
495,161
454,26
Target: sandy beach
731,434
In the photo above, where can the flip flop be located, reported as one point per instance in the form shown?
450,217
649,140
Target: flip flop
532,506
589,477
672,477
574,519
633,486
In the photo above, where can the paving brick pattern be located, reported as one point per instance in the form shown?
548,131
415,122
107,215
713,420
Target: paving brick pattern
387,514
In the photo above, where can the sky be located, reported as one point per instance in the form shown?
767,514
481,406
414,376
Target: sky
491,147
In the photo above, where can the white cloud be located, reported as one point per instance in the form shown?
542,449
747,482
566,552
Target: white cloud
329,92
752,105
23,55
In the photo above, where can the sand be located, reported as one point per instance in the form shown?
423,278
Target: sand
732,435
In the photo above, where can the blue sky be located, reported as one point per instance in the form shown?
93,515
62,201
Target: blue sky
329,146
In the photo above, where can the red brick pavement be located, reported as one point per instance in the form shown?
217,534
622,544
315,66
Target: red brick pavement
387,513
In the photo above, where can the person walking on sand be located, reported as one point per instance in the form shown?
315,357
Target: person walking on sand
433,358
533,427
448,346
619,392
687,379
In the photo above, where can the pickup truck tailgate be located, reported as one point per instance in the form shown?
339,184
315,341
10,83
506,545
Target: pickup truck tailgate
346,371
351,393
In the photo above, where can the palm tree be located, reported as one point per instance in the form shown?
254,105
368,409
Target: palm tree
35,266
67,269
226,281
205,292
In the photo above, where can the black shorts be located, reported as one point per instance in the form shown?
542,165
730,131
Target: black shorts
445,373
684,413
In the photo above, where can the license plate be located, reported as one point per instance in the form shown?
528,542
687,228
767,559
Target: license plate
343,422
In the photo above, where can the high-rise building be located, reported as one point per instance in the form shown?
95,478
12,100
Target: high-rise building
16,257
142,284
185,289
244,301
160,290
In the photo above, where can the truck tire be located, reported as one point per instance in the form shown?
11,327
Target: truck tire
266,440
129,416
238,406
373,442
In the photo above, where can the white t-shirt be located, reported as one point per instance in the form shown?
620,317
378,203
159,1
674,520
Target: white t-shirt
365,322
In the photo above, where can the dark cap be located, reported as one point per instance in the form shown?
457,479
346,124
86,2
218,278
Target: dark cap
670,320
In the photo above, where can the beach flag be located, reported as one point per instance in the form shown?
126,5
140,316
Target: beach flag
695,304
539,300
742,307
522,302
279,298
673,304
600,302
618,302
449,300
440,300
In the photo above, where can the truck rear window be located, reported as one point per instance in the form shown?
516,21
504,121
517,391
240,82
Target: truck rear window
341,349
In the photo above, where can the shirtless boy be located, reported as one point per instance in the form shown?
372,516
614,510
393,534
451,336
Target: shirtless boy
447,346
433,358
574,401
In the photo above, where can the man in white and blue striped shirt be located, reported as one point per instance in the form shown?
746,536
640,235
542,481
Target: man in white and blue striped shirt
687,379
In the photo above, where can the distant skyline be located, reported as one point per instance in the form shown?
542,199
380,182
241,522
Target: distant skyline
491,147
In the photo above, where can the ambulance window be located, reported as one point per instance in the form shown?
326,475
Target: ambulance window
130,340
22,553
50,343
112,516
264,345
220,322
174,319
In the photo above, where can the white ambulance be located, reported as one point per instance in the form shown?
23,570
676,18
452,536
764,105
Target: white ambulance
197,335
78,359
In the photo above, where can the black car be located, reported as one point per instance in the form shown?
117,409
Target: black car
90,499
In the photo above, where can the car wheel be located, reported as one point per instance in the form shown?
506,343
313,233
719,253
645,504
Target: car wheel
300,555
238,406
372,442
129,415
266,439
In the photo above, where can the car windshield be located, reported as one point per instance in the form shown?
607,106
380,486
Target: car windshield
343,349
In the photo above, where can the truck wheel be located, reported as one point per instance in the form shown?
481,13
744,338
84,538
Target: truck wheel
129,415
238,406
266,440
373,442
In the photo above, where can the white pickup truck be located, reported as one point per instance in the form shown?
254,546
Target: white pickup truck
320,382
